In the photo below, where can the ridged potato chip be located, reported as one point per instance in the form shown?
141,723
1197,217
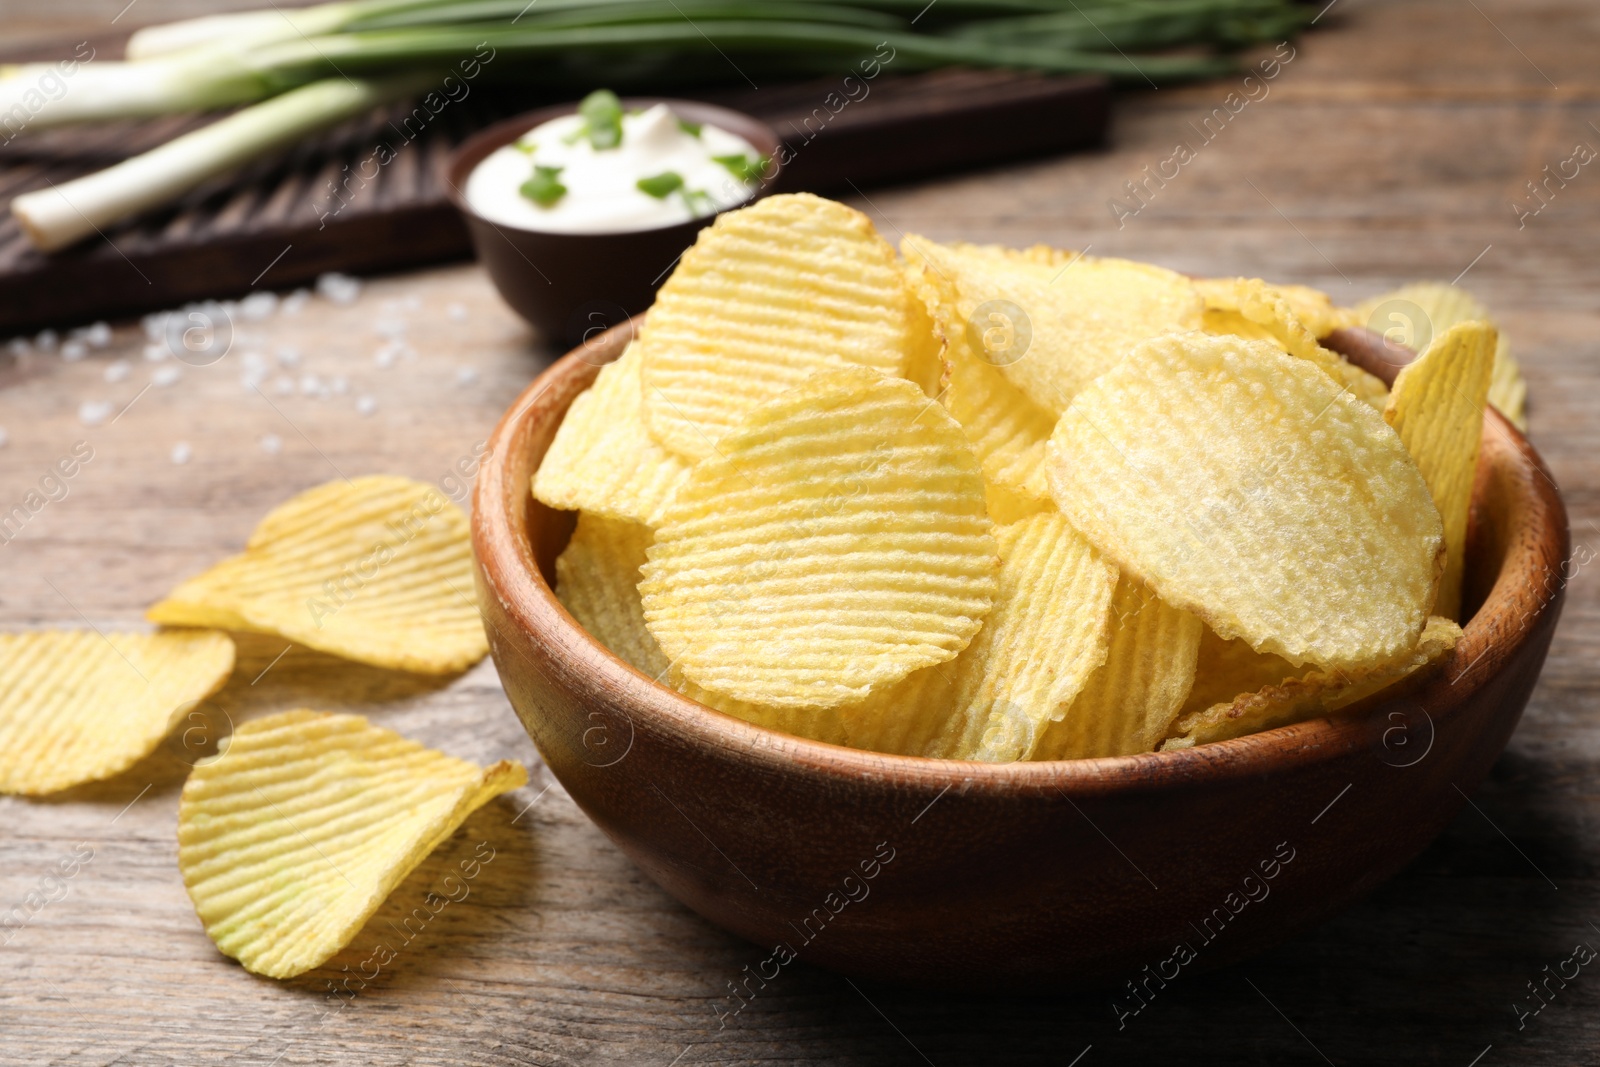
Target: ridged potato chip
294,836
1007,430
837,542
1244,485
1227,669
1415,314
1129,703
603,459
1266,307
377,570
76,706
597,580
1436,407
1045,637
1297,698
1051,323
767,296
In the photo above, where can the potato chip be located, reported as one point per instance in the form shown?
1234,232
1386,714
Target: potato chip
1295,699
603,459
1007,430
1415,314
836,543
1130,702
767,296
1051,324
597,580
1244,485
1047,634
377,570
77,706
1265,306
293,837
1436,407
1226,669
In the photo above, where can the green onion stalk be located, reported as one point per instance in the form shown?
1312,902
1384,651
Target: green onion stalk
302,70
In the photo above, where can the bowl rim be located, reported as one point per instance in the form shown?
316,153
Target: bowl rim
459,163
1510,616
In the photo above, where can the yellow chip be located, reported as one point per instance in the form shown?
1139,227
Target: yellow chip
1007,430
1265,306
293,837
1415,314
1047,634
1295,699
1437,409
1244,485
1051,323
767,296
837,542
603,459
377,570
76,706
1131,700
597,580
1227,669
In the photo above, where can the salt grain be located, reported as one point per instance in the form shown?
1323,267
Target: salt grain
45,341
116,372
181,452
156,353
339,288
339,386
295,302
19,346
271,444
457,312
258,306
394,329
310,385
93,412
165,376
283,386
288,356
366,405
74,350
98,335
466,375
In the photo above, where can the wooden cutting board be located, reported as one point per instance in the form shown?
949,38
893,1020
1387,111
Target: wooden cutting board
279,223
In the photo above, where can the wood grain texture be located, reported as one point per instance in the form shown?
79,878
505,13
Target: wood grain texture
1393,145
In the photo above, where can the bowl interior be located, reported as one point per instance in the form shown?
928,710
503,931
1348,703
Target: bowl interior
1517,544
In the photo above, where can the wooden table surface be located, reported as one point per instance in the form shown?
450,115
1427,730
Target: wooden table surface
1394,146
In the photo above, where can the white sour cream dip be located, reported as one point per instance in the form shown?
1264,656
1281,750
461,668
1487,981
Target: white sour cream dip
602,194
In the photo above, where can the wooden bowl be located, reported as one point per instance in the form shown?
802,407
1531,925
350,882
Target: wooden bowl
974,875
571,286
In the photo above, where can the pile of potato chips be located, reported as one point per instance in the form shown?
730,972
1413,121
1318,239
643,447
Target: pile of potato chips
977,503
293,836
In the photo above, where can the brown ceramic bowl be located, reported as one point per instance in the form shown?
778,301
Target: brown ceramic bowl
572,286
1010,875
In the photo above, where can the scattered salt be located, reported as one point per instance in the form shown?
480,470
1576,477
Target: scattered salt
457,312
117,371
295,302
98,334
466,375
310,385
181,452
19,346
93,412
338,386
366,405
271,444
288,356
74,350
283,386
155,325
394,329
45,341
156,353
165,376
